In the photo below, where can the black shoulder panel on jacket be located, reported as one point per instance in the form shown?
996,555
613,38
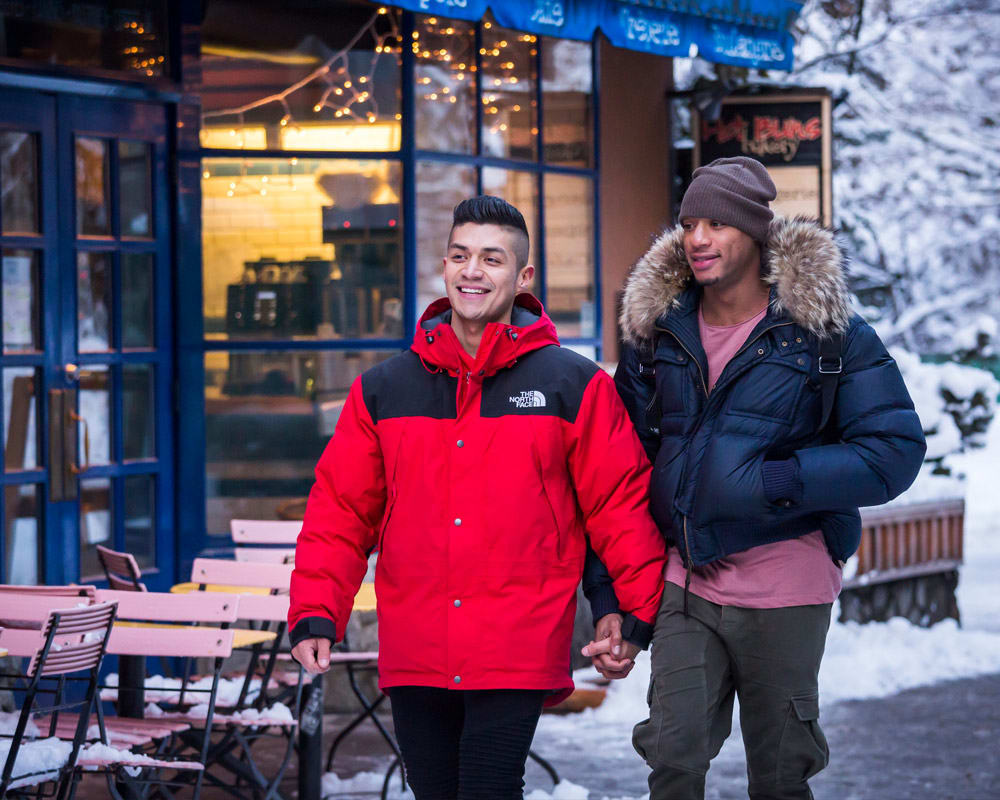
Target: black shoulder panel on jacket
403,387
546,382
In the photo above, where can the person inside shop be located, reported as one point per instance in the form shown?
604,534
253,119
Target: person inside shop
478,463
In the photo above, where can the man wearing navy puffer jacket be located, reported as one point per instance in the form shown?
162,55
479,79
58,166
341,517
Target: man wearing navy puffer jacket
736,324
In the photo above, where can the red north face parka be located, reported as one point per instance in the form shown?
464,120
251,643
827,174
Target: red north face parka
478,487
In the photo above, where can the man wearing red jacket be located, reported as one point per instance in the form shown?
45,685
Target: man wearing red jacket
478,463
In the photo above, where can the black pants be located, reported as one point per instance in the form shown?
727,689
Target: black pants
465,745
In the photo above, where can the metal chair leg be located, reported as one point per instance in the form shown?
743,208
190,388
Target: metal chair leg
396,762
544,765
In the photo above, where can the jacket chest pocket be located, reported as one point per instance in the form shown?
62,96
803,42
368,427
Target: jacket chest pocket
771,388
673,383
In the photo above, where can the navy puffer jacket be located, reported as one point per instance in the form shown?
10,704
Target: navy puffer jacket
746,464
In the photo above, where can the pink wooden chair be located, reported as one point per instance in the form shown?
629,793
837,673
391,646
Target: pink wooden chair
253,717
174,626
121,570
71,642
108,750
270,541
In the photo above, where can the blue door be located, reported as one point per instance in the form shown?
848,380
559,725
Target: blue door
87,422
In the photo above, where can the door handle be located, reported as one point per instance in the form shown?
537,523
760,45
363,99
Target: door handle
63,481
73,417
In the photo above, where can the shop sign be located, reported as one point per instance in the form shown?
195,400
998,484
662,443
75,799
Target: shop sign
748,33
789,133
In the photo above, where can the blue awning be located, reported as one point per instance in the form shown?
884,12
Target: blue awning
747,33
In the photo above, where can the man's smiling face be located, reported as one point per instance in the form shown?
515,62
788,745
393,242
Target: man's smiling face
482,274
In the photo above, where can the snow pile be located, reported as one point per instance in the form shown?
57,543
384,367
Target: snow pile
168,690
45,756
955,403
369,783
881,659
564,790
362,783
105,754
277,714
8,724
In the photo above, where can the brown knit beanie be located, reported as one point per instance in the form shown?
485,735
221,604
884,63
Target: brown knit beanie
735,191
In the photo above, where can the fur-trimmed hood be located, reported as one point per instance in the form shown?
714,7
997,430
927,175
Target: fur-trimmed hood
805,268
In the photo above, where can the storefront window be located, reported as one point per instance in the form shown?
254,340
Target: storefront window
127,37
440,187
445,90
510,110
313,246
521,190
298,248
268,416
567,94
569,254
300,76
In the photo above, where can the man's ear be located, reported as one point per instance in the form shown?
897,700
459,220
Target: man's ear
525,276
444,263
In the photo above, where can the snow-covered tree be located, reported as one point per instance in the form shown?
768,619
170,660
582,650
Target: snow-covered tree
916,87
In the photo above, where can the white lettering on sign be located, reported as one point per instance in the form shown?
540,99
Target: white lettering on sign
732,43
549,12
432,5
639,28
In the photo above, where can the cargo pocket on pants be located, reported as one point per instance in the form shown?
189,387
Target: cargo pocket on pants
643,735
802,751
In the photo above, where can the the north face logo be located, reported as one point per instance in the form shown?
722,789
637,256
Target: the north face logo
532,399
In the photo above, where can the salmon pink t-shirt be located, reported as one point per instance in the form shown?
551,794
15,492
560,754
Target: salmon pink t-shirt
795,572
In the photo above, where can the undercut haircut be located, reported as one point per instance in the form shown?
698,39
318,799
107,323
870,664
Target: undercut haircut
489,210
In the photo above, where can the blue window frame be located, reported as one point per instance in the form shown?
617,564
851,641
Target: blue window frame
230,417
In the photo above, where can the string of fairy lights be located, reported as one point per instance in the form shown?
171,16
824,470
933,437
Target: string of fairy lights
349,95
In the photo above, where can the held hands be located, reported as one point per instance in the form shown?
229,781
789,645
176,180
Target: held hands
313,654
612,657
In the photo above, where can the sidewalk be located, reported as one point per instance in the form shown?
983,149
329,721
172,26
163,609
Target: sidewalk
938,742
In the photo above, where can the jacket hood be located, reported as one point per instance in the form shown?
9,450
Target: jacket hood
530,329
805,268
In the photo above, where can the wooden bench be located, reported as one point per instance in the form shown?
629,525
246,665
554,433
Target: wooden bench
907,564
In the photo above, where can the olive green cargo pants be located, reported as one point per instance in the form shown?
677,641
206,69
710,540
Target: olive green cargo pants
770,659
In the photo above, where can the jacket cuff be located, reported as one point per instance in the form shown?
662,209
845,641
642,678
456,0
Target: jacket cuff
782,485
637,632
311,627
602,601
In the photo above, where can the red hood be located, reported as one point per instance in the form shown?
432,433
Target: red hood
436,343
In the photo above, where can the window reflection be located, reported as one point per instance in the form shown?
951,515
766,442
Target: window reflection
95,524
22,540
445,84
92,202
125,37
21,387
569,254
20,301
510,111
93,301
520,189
289,82
567,86
268,417
440,187
302,248
19,182
139,509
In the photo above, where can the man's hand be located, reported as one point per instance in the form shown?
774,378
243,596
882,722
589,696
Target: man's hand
313,654
612,657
